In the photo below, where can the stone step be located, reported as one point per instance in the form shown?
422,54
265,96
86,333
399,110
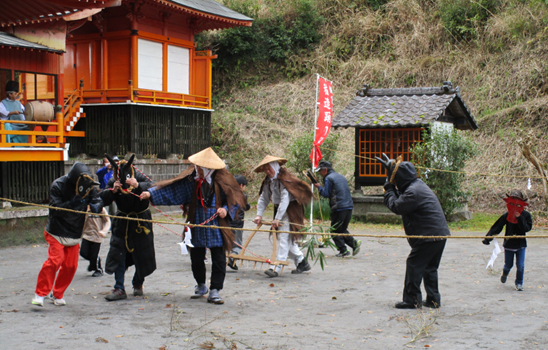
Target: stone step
383,218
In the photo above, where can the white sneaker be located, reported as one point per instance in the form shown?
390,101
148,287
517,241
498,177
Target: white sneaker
58,302
38,300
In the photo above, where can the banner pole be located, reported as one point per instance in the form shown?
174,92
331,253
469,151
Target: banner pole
314,150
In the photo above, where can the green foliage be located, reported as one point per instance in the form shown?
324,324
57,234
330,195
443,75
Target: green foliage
462,18
358,4
228,144
299,151
320,210
444,150
270,42
376,4
310,245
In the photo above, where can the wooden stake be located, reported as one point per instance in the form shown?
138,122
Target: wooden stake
526,151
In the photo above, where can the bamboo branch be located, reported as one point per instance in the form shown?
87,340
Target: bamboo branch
528,154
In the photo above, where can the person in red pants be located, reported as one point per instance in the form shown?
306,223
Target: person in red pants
63,232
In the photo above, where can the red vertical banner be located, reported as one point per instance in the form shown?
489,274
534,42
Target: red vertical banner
325,116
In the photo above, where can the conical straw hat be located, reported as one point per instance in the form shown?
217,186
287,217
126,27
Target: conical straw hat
207,158
268,159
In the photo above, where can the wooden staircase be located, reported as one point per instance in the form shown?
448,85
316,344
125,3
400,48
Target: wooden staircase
73,112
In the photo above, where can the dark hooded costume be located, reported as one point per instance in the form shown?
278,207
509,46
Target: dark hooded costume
422,216
64,194
64,231
134,237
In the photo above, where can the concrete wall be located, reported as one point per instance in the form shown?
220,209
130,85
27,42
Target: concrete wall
372,209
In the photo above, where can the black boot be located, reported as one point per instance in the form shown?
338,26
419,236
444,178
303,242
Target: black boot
232,264
99,267
504,277
302,267
99,271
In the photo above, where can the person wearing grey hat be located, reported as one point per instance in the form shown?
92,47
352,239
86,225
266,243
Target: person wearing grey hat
518,222
340,200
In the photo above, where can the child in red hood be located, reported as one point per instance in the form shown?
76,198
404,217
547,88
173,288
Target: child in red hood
518,222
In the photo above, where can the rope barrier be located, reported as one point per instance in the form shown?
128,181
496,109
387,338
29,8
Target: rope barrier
445,171
274,231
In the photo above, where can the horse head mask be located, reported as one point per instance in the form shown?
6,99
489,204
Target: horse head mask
84,184
123,171
80,177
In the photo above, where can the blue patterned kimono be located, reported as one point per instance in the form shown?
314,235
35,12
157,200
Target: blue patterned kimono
181,192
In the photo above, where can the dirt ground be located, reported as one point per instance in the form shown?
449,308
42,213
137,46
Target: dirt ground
350,305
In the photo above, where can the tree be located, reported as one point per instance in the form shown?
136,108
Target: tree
299,151
440,160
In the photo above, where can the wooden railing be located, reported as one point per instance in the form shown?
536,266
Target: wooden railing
129,94
48,138
72,110
72,102
170,98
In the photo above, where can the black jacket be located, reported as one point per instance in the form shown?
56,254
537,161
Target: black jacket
524,225
62,195
339,196
417,204
136,238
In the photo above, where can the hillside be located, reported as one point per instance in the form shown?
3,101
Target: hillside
495,50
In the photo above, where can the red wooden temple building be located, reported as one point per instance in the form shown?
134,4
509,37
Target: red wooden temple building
125,76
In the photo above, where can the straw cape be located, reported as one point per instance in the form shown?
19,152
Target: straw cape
222,180
260,168
207,158
302,194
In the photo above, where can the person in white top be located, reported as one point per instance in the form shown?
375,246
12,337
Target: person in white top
288,194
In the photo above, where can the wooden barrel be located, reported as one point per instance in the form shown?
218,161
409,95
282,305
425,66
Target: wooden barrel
39,111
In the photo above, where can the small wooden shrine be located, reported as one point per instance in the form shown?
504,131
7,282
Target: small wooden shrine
390,121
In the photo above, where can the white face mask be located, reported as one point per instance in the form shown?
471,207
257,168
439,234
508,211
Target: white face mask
276,167
207,174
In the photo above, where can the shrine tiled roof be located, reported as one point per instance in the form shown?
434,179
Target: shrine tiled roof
14,13
406,107
212,7
12,41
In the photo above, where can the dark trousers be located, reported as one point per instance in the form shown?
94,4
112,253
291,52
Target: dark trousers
422,264
218,266
119,275
90,251
339,222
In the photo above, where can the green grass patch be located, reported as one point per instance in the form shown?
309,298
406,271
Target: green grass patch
24,231
481,222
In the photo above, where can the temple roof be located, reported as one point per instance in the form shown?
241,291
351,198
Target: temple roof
212,7
12,41
37,11
213,14
406,107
